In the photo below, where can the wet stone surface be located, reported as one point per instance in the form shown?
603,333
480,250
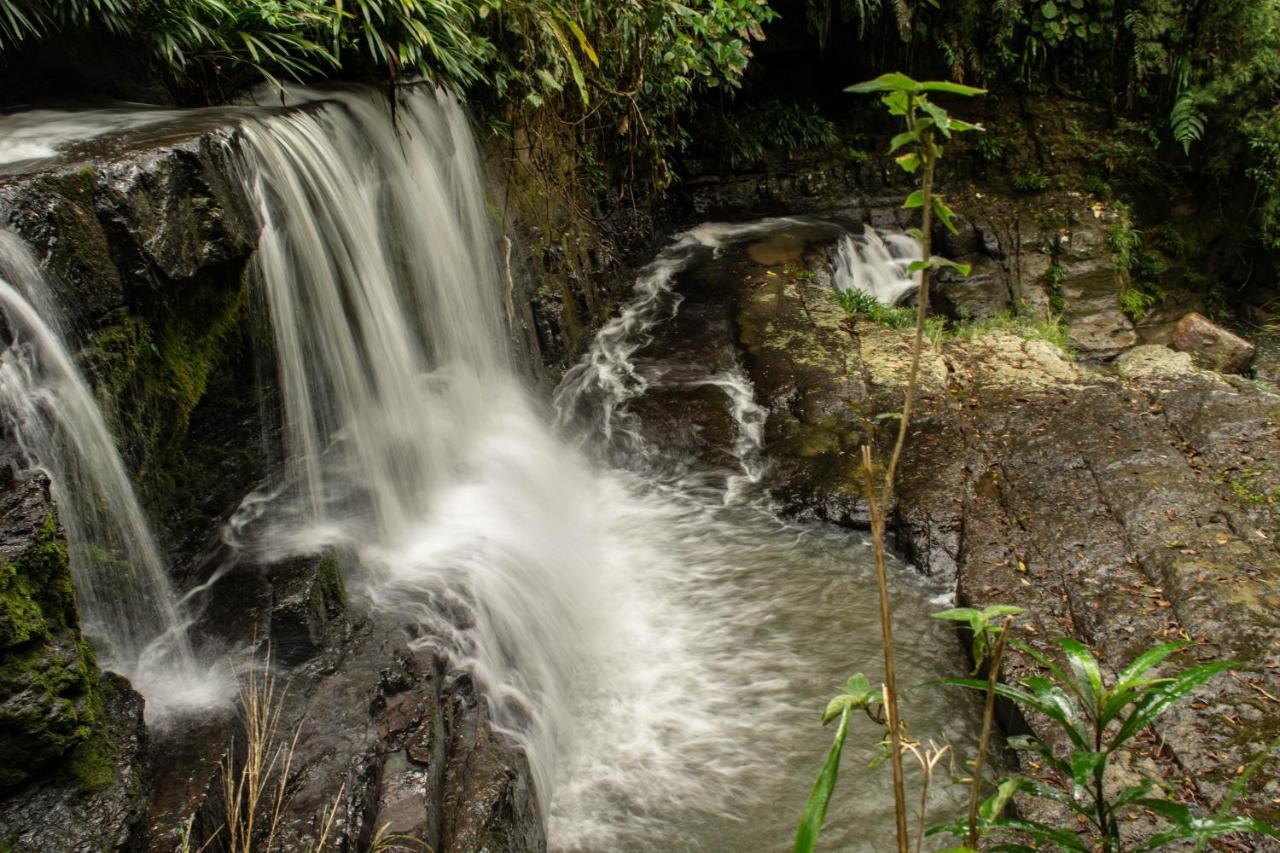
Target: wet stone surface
1124,507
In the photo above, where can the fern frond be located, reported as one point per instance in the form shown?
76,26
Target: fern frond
1186,121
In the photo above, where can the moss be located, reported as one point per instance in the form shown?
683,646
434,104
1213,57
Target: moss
153,373
50,694
329,593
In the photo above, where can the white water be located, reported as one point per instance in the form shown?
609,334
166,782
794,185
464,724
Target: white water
876,263
656,637
127,606
658,643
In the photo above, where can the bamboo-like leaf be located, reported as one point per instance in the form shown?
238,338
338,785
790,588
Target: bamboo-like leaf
815,808
951,88
1160,699
1085,668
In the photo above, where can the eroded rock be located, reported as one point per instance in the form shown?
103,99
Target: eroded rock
1211,345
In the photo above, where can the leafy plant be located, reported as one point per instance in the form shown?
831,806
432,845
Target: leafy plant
1098,720
1050,329
1030,182
1135,302
989,642
917,149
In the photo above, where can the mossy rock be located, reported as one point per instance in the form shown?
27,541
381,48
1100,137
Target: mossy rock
50,696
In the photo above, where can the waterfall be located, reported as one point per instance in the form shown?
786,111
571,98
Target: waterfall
127,606
876,263
410,442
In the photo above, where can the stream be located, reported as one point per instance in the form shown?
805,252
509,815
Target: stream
610,568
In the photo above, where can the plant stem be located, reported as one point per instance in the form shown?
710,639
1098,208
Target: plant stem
929,154
988,718
878,508
890,673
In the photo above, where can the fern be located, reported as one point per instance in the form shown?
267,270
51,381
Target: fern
1186,121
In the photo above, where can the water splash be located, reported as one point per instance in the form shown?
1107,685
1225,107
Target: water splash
128,608
876,263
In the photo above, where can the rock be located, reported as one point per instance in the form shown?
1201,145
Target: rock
1152,360
71,739
50,703
57,814
983,293
308,599
1211,345
1090,291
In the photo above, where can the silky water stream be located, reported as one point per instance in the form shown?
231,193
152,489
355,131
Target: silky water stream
655,636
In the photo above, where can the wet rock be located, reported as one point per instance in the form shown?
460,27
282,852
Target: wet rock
983,293
1211,345
57,813
489,802
1122,508
71,739
50,702
308,598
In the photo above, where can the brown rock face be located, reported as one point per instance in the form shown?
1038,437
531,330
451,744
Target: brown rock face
1211,345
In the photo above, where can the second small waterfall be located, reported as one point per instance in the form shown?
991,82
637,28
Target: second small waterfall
127,604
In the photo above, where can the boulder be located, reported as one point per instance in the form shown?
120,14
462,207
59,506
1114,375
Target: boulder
1211,345
50,705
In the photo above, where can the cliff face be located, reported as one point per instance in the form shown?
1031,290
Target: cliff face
148,242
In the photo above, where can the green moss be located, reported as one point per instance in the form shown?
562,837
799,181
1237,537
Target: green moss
50,694
329,594
151,373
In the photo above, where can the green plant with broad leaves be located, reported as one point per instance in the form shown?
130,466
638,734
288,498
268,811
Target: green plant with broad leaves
917,150
1097,717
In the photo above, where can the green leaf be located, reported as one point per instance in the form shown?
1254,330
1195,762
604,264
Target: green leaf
994,806
956,614
944,213
1085,668
1084,764
951,88
909,162
916,199
815,808
905,138
1049,10
964,270
940,117
551,84
1160,699
894,81
1064,838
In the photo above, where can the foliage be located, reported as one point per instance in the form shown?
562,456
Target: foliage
856,695
619,73
1050,329
1135,302
1098,720
990,148
927,126
980,625
1030,182
748,134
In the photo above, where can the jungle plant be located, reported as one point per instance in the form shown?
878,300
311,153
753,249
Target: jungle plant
1098,720
988,644
1030,182
917,150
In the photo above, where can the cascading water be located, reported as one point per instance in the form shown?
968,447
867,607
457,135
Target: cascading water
409,439
640,633
127,605
876,263
645,625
